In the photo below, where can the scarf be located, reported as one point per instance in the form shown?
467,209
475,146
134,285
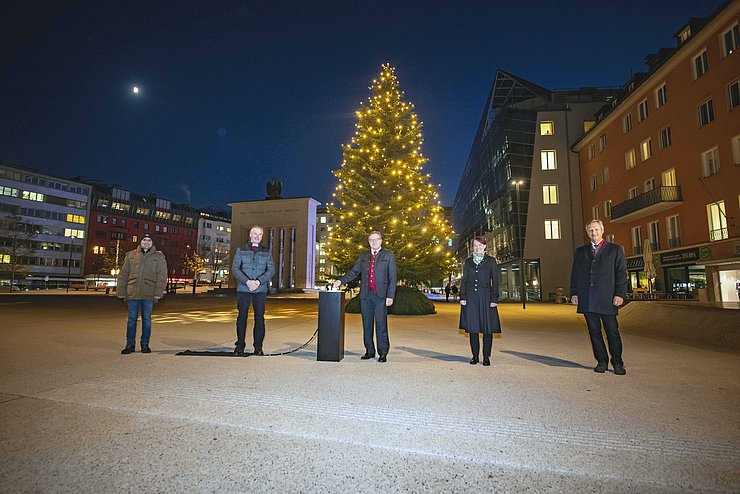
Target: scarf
478,258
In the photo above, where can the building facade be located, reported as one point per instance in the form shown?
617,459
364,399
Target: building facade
54,214
325,271
289,227
521,185
661,167
214,240
119,218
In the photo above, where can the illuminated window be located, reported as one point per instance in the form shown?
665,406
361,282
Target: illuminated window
33,196
717,220
646,149
549,194
70,232
668,178
8,191
547,128
73,218
549,160
4,258
629,159
552,229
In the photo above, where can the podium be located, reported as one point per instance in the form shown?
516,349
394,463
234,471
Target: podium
330,346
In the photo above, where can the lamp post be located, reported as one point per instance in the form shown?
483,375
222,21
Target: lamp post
69,261
522,289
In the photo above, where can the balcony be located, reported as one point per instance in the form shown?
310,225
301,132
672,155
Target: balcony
653,201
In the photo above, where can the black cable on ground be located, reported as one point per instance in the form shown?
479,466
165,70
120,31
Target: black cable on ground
246,354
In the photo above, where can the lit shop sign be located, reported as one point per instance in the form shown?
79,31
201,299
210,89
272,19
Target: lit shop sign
685,255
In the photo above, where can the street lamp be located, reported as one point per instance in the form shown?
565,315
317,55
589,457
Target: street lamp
522,289
69,261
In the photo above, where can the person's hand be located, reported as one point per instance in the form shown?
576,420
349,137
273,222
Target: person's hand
574,300
337,284
618,300
253,285
157,298
388,302
463,302
493,304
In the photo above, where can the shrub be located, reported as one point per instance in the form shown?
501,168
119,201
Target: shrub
408,302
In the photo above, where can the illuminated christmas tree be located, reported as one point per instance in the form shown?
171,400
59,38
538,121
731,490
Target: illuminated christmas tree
382,187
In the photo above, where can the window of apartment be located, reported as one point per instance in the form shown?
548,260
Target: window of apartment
637,239
552,229
661,96
146,226
710,162
717,220
665,137
608,209
605,175
733,94
157,228
549,160
114,221
654,235
98,250
591,151
164,229
33,196
642,110
730,40
8,191
100,234
700,64
602,142
633,192
627,123
592,182
673,231
549,194
74,218
646,149
71,232
649,184
547,128
135,239
668,178
629,159
706,112
595,212
736,149
117,236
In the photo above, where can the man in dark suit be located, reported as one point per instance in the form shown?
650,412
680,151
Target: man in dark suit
598,286
377,269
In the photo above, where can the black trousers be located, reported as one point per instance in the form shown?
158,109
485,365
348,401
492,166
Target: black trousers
373,309
611,328
475,344
243,301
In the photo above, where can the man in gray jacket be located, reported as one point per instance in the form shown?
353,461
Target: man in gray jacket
141,282
253,268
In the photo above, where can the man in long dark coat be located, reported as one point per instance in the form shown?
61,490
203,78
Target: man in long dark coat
598,286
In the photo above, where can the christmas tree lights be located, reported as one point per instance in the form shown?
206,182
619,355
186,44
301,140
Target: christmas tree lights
382,187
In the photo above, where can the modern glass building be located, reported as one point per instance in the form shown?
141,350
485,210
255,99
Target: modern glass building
521,184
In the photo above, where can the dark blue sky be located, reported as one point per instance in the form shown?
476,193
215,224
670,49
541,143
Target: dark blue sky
236,92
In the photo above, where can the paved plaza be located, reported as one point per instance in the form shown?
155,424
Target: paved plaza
79,417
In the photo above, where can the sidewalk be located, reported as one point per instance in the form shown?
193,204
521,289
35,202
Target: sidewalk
78,416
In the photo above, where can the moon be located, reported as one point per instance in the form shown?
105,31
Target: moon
135,89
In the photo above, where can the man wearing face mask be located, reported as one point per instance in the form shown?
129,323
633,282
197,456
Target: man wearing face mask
141,282
253,268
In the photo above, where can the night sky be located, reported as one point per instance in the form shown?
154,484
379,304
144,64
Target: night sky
234,93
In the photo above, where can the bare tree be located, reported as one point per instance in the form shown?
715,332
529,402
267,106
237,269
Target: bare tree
16,242
213,259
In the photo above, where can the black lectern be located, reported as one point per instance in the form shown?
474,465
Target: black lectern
331,327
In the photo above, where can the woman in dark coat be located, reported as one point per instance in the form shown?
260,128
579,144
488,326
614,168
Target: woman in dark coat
479,300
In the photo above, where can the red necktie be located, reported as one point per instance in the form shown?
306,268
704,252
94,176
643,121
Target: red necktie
371,276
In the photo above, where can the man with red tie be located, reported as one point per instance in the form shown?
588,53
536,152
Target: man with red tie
598,286
377,269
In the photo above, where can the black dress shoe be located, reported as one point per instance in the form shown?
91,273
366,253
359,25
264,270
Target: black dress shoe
601,368
473,360
368,356
128,349
239,350
486,361
620,370
259,353
382,358
145,349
